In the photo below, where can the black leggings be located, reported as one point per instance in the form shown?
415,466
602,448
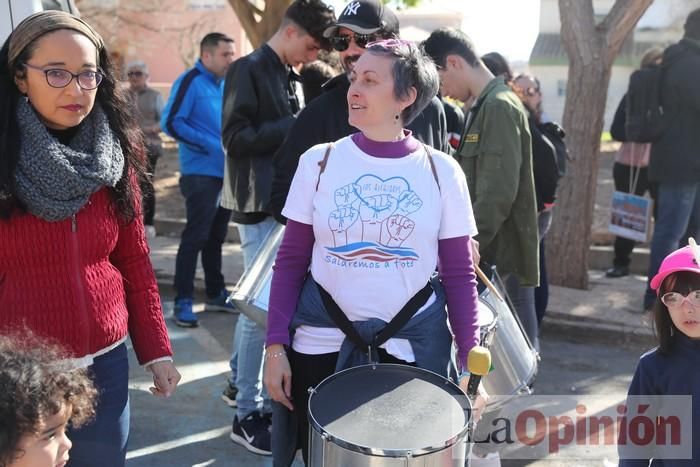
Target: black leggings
308,371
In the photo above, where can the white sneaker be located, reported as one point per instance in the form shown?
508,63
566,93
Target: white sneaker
150,231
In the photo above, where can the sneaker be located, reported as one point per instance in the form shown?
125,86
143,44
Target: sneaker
182,311
229,395
617,271
253,433
219,303
150,232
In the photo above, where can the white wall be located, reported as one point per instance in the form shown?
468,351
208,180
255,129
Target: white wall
552,78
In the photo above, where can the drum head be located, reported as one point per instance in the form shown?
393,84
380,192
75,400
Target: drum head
389,408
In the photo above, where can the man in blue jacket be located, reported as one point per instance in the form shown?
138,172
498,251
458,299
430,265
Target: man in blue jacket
193,117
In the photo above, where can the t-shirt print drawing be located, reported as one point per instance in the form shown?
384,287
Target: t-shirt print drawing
372,221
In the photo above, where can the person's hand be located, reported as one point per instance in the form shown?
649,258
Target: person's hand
277,375
479,402
476,257
165,378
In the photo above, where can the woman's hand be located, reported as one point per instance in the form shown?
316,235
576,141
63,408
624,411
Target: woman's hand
479,402
277,376
165,378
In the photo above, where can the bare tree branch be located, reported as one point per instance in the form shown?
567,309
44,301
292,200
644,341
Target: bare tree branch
620,21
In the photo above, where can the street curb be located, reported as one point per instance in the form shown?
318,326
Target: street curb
167,227
557,323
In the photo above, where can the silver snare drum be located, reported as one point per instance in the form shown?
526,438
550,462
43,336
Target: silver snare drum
252,293
514,360
387,415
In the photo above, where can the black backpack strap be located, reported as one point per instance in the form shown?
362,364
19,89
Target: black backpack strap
397,322
341,319
322,164
432,165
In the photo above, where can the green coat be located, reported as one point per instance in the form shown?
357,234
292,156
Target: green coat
496,156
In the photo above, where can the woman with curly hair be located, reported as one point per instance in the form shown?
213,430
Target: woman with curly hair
74,263
40,394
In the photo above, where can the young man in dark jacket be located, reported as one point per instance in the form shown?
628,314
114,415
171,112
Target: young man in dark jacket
674,163
260,103
326,118
496,156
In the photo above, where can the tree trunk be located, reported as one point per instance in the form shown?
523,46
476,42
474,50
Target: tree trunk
591,49
259,25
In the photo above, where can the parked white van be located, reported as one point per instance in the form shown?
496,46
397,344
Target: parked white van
14,11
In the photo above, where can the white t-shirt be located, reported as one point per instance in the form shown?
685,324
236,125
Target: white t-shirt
376,222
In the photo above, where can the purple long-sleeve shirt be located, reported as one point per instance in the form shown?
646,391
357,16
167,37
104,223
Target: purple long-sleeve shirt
455,267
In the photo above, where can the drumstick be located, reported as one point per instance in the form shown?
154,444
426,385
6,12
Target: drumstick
487,282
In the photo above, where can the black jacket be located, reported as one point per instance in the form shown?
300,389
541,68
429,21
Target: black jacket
324,120
617,129
544,167
675,156
258,111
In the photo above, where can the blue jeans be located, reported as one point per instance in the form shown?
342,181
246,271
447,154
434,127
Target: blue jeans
205,231
249,338
103,441
677,218
523,299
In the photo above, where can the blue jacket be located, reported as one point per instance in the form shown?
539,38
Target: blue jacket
668,375
193,117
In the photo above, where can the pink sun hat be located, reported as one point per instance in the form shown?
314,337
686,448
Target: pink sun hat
682,259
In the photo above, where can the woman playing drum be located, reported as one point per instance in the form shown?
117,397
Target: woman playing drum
370,216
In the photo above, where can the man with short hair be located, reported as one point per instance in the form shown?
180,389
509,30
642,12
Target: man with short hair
149,104
674,164
260,104
326,118
496,156
193,117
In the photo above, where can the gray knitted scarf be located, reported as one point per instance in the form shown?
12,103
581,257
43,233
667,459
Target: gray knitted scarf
55,181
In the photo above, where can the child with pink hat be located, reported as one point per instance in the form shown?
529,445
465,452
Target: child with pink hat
673,368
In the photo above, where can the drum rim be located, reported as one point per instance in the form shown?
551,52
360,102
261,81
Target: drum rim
396,453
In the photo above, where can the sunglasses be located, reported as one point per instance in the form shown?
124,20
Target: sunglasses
676,299
59,78
136,74
341,42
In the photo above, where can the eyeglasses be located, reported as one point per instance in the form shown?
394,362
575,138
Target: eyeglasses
135,73
676,299
531,91
60,78
341,42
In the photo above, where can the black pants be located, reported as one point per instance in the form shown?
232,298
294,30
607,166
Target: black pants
621,176
147,190
308,371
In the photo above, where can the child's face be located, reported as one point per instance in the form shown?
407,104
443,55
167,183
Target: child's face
686,318
49,446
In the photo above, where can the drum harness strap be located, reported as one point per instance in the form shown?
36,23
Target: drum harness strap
399,320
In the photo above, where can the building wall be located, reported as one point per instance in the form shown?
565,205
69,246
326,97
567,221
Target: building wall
553,81
164,39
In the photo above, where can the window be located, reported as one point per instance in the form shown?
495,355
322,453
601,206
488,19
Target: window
561,87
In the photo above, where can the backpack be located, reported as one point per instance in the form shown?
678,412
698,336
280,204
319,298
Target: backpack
555,134
644,112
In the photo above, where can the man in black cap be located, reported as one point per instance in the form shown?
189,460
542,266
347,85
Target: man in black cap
326,118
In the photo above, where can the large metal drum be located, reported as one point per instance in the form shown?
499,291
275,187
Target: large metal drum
388,415
252,293
514,360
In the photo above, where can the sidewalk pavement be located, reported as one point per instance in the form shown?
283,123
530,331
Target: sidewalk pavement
609,307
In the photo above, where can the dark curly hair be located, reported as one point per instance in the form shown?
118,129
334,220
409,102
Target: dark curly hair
37,382
113,100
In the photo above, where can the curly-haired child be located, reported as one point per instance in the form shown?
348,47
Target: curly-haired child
40,395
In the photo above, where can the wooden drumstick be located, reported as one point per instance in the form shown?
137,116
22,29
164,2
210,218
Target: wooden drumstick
487,282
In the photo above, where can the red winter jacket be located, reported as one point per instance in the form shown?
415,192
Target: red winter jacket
85,281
